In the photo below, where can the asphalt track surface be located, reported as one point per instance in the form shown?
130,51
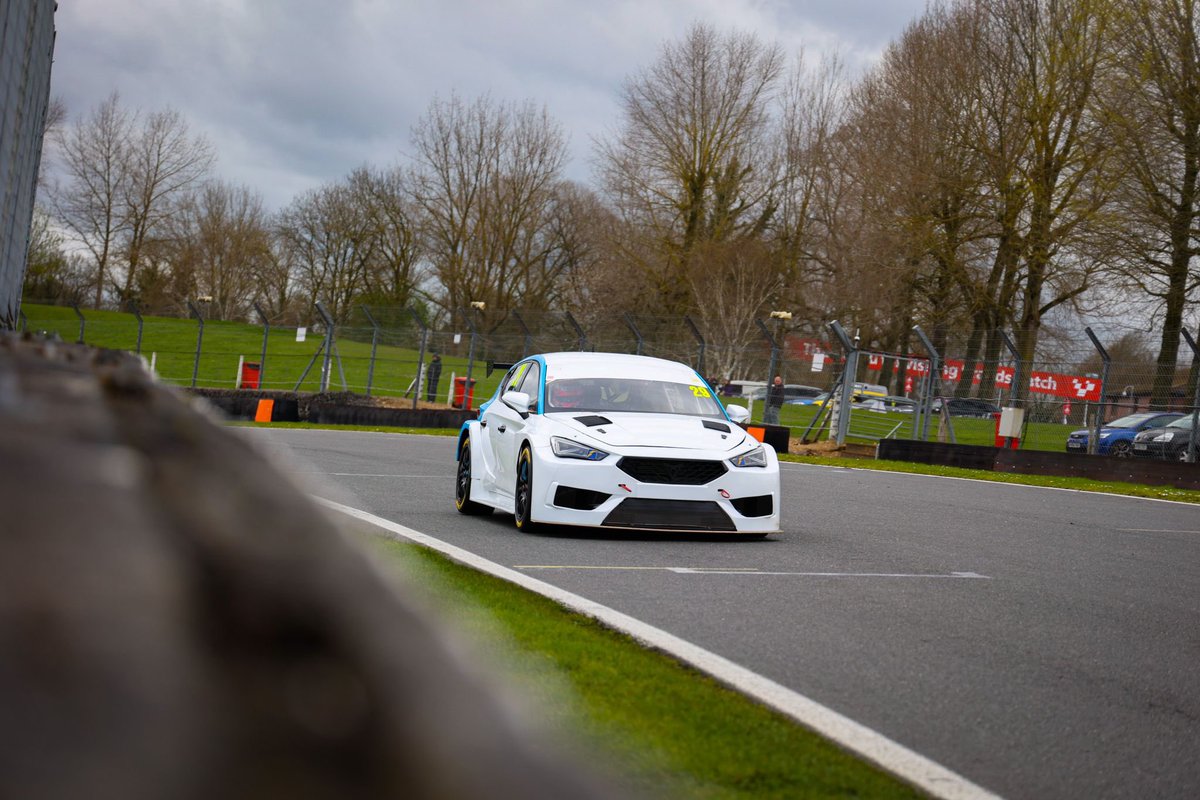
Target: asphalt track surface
1040,643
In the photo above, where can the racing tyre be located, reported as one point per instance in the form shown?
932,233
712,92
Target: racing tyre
462,483
523,497
1121,450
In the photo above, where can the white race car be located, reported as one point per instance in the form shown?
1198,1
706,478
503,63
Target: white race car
615,441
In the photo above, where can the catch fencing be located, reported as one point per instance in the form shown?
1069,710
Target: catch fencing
835,388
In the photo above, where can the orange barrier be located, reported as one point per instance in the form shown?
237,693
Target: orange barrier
265,409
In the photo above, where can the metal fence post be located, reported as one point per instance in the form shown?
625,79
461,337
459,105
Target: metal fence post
133,308
934,380
82,322
1094,435
629,323
584,344
418,381
199,340
774,362
374,345
526,348
262,362
1013,394
470,351
849,371
702,346
1193,445
325,369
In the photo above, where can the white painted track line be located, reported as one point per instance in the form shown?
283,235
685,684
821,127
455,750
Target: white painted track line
859,739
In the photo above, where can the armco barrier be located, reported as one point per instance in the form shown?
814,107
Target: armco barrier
1036,462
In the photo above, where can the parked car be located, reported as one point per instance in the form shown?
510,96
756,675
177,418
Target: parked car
793,393
1116,437
966,407
1169,442
893,403
615,441
862,392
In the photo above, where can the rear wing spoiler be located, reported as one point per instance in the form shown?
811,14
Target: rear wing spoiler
492,366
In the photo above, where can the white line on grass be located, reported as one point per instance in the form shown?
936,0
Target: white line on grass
869,744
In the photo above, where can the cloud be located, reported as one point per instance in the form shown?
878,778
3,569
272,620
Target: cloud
294,93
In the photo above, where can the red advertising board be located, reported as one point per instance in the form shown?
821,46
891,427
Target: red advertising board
1074,387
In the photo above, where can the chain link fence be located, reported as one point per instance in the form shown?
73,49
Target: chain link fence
834,387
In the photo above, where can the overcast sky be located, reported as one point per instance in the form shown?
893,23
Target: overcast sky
294,93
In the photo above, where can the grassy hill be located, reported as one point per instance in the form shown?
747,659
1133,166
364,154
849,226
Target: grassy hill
170,344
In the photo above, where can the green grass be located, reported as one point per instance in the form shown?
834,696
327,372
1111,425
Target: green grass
662,728
1055,481
171,343
1038,435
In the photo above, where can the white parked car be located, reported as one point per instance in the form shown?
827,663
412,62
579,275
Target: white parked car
615,441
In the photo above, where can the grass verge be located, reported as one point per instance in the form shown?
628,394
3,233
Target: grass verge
1054,481
664,729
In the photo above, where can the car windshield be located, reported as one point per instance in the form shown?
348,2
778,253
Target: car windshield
625,394
1131,421
1183,422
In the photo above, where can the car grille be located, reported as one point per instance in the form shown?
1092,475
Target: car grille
678,515
679,471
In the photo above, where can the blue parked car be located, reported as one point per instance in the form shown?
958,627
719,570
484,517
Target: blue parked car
1116,438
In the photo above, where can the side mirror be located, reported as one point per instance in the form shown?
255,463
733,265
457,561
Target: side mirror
739,414
517,401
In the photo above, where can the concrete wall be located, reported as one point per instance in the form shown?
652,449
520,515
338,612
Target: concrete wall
26,53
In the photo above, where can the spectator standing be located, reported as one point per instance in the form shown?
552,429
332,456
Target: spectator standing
774,401
433,374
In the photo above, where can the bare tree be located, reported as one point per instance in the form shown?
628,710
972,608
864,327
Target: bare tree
396,271
93,154
1059,49
220,246
326,240
1153,104
121,176
484,178
163,163
696,157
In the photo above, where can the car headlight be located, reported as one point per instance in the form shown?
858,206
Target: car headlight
755,458
1165,436
1104,435
566,448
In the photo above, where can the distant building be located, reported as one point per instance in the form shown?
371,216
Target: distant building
26,53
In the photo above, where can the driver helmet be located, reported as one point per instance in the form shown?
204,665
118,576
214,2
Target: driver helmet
566,394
